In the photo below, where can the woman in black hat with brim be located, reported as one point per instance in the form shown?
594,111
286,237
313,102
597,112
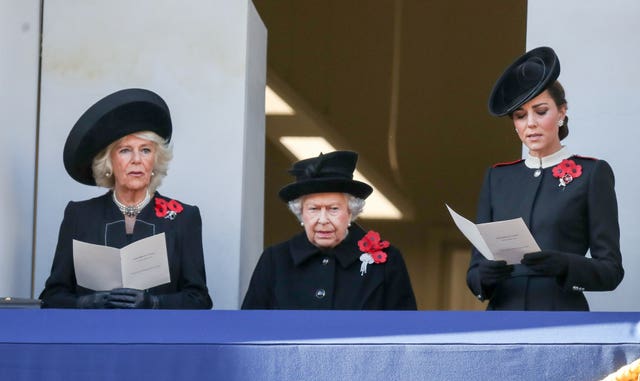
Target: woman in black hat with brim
122,143
333,263
567,201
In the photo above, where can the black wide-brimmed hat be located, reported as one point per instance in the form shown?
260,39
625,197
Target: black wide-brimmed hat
332,172
523,80
111,118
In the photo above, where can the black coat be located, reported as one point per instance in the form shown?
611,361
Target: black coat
573,219
296,274
99,221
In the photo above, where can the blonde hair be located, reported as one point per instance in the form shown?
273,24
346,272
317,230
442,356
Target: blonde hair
102,167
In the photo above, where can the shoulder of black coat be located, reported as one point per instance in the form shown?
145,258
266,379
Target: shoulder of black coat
507,163
585,157
167,198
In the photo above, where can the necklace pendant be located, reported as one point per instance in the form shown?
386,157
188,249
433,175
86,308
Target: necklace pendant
537,173
130,211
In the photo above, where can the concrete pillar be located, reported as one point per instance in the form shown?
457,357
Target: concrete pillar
19,44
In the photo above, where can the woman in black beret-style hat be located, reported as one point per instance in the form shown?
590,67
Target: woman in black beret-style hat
122,143
334,263
567,201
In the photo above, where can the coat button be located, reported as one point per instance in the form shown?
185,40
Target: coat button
320,293
325,261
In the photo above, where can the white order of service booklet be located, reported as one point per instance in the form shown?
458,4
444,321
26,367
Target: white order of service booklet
507,240
142,264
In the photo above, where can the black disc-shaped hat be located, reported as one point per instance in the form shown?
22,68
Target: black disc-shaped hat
111,118
523,80
331,172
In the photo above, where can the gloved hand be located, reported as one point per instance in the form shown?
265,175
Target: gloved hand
492,272
131,298
551,263
96,300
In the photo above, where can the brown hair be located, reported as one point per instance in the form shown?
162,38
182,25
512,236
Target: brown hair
556,91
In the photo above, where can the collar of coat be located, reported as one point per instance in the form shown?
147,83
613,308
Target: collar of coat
346,253
115,234
555,158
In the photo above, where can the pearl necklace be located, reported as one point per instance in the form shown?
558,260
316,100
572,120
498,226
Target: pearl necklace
132,210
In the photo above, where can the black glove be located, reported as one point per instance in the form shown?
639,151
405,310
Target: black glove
131,298
96,300
492,272
551,263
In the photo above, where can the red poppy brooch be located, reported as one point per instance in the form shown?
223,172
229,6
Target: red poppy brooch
567,171
372,246
167,209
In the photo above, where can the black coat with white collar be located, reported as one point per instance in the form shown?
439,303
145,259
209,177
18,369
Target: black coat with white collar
572,219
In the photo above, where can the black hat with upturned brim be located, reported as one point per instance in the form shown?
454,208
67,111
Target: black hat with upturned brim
111,118
523,80
332,172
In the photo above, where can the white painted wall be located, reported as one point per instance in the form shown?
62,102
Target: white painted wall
598,43
207,59
19,42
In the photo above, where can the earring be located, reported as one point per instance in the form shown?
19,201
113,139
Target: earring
301,223
349,224
153,173
560,122
108,174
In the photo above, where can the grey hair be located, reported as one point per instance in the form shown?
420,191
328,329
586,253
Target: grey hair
103,168
355,204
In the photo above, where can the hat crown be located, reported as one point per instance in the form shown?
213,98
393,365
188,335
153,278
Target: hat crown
524,77
338,164
530,72
326,173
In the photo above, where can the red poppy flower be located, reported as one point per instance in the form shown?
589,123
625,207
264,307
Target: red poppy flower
161,207
575,171
372,245
168,209
175,206
365,244
372,236
567,171
558,171
379,256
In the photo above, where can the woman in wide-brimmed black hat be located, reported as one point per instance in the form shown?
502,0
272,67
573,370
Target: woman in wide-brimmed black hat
333,263
122,143
567,201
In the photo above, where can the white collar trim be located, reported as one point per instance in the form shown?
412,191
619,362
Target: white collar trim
547,161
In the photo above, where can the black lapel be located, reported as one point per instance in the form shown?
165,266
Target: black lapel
347,251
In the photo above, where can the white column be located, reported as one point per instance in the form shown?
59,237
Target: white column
252,236
599,48
207,59
19,43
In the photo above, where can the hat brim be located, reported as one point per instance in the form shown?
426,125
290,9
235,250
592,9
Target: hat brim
324,185
111,118
498,106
